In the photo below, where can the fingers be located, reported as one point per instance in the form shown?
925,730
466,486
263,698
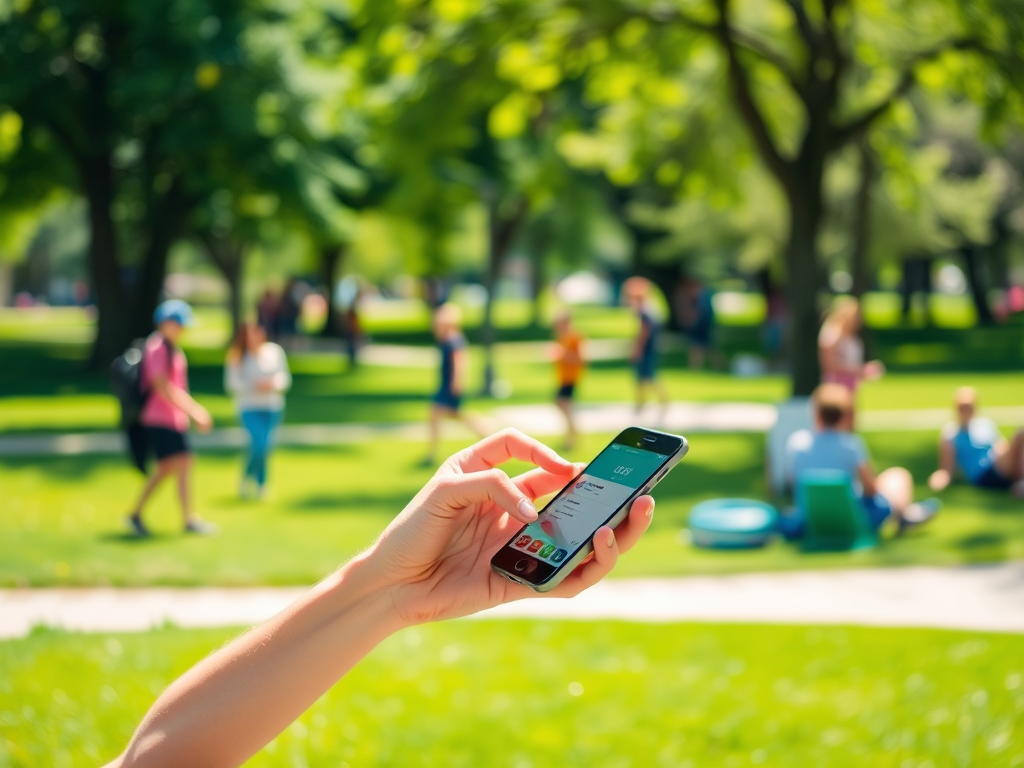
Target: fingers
541,482
608,545
606,555
505,445
491,485
636,523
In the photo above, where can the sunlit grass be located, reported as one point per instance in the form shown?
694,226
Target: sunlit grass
526,693
61,518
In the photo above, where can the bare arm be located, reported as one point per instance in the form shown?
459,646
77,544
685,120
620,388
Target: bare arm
459,371
641,342
430,563
867,478
183,401
943,476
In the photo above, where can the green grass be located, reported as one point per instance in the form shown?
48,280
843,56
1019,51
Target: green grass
61,517
524,693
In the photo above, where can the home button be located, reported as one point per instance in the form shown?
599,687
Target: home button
522,564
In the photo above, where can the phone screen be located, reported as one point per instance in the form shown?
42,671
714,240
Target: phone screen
572,517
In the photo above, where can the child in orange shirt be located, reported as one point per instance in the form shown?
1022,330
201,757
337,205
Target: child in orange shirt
569,364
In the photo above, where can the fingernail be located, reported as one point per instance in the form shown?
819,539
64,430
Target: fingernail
526,508
611,538
650,510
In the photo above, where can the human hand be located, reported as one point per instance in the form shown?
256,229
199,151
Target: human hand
939,480
266,385
202,418
435,557
874,370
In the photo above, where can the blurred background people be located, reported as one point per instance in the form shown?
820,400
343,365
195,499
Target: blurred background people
973,446
644,356
701,312
832,445
841,350
266,313
256,375
166,414
569,365
447,401
353,329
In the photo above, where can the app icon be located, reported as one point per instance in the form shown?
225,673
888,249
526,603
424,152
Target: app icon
546,551
522,541
537,544
559,556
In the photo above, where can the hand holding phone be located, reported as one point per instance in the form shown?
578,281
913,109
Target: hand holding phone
543,553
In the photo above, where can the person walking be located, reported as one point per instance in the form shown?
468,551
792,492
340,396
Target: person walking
256,375
166,414
569,363
645,348
447,401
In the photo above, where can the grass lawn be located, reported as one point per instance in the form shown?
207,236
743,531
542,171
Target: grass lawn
61,517
523,693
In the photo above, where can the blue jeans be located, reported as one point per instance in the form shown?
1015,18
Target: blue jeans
260,425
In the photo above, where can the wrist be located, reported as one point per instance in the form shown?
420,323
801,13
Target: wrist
364,582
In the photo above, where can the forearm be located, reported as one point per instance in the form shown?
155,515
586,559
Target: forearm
234,702
181,399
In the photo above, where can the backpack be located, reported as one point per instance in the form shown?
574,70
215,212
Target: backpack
126,384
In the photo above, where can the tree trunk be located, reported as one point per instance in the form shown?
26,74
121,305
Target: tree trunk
977,282
503,231
860,269
537,282
330,261
804,282
113,332
228,257
165,219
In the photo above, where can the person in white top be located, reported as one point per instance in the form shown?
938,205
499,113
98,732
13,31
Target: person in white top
840,349
256,374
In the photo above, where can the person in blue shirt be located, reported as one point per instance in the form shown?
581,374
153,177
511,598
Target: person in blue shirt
645,349
832,445
974,446
447,401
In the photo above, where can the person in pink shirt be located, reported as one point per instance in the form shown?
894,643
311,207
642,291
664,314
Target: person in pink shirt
167,412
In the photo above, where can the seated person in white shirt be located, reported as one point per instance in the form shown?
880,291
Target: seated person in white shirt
974,446
831,445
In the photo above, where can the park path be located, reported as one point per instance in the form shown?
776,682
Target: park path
541,420
987,598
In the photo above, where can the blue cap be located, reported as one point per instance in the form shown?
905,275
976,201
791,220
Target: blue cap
173,309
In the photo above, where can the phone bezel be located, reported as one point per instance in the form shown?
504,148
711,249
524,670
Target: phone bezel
538,573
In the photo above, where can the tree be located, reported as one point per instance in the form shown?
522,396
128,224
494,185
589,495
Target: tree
804,89
136,94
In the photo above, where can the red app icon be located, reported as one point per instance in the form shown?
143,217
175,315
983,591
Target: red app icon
522,541
537,544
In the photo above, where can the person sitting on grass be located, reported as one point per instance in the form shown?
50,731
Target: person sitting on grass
833,446
569,361
431,563
973,445
447,401
166,414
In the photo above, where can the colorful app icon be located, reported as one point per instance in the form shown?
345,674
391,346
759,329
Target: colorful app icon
546,551
522,541
559,556
537,544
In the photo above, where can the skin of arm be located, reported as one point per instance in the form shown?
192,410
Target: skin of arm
867,479
943,476
183,401
641,342
459,370
431,563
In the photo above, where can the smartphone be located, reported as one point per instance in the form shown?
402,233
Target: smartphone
544,552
